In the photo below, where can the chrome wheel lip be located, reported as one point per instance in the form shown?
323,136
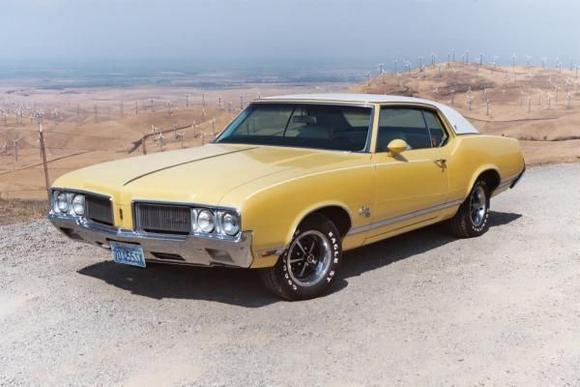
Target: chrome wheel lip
478,206
318,262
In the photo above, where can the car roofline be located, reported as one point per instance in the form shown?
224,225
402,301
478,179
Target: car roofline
458,122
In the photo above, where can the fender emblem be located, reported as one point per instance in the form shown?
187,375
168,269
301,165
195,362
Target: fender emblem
365,211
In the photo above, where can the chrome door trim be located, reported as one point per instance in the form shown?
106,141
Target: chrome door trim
401,218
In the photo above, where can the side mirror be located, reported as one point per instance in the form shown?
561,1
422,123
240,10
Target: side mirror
397,146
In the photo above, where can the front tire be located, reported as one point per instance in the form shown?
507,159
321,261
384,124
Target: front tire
308,267
472,217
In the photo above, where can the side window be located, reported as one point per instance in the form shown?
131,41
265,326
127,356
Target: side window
403,123
438,135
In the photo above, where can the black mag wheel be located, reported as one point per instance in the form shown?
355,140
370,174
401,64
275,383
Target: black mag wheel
308,266
309,257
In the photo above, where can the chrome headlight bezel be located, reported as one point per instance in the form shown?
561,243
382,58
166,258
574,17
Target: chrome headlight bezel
217,216
229,223
63,203
78,204
208,217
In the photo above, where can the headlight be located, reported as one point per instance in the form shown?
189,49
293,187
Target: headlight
62,202
78,204
205,221
230,223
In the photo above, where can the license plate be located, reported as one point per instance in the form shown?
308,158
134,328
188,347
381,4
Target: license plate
128,254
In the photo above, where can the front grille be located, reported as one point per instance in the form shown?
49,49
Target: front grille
163,218
99,209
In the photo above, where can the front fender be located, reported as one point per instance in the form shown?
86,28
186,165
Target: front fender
274,212
309,210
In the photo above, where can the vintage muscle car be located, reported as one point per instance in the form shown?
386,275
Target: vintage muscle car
290,184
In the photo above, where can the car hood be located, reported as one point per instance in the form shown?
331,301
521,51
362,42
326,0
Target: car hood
199,175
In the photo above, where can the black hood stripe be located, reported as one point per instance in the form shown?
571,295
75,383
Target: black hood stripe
184,163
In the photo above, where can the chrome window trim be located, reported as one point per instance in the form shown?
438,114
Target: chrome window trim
421,106
368,105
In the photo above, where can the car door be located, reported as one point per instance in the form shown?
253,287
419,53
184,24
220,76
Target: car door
411,186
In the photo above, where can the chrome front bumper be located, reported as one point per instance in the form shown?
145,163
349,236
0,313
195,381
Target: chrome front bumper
174,249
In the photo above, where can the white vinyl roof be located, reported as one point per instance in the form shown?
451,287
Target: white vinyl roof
460,123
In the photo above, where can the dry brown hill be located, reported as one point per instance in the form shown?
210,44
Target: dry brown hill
539,106
84,127
87,126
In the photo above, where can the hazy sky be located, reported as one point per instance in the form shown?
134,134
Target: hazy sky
248,31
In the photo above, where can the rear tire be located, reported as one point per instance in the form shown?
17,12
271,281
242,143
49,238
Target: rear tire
472,217
308,267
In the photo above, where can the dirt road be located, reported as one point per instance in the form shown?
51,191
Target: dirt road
420,309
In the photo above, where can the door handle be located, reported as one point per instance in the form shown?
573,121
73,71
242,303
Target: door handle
441,163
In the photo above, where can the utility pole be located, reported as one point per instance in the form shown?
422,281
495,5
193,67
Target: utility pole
15,145
144,144
43,154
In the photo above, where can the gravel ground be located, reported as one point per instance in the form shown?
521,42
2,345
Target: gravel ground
419,309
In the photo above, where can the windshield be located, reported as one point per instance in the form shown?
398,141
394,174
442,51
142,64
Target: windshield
331,127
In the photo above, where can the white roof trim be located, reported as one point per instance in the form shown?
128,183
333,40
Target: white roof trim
460,123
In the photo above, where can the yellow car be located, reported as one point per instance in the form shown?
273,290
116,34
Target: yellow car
289,185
